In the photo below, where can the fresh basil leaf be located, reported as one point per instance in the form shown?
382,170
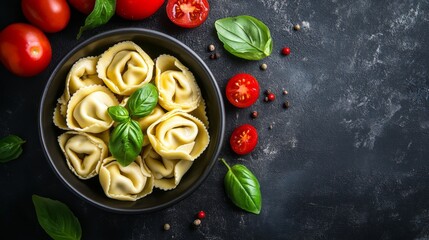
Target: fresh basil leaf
56,219
126,141
118,113
245,37
101,14
10,148
142,102
242,187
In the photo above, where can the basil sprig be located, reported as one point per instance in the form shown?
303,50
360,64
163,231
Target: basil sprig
101,14
126,142
10,148
245,37
118,114
126,139
56,219
143,101
242,187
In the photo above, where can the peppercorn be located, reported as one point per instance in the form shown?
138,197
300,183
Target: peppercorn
214,56
286,51
286,104
285,92
296,27
211,48
201,214
254,114
265,99
197,222
166,227
271,97
263,66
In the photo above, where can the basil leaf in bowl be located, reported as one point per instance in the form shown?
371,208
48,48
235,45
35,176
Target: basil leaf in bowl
245,37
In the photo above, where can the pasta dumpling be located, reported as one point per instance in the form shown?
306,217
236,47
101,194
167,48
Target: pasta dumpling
176,85
125,67
87,109
128,183
83,73
178,135
146,121
83,152
167,172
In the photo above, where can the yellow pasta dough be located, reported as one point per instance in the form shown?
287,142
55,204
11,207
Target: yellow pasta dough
83,152
125,67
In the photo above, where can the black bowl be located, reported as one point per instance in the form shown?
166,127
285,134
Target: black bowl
154,43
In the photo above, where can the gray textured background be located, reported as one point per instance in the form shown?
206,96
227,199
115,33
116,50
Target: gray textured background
348,160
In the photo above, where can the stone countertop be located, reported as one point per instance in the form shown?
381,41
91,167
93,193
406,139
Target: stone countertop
348,160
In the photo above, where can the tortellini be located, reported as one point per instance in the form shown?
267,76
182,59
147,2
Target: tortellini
178,135
125,183
83,152
145,122
83,73
87,109
176,85
125,67
174,134
167,172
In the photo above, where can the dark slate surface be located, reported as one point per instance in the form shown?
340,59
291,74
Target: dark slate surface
348,160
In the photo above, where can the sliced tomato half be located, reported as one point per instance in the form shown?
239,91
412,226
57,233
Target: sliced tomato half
244,139
188,13
242,90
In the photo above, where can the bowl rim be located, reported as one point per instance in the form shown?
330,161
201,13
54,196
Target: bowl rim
191,54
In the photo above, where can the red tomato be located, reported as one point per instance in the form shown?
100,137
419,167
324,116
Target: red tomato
188,13
24,49
244,139
242,90
83,6
49,15
137,9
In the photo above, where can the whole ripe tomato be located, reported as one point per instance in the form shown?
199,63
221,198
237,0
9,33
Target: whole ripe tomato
137,9
24,49
242,90
244,139
188,13
49,15
83,6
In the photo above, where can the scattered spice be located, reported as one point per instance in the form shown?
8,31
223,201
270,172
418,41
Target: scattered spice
197,222
166,227
263,66
286,51
201,214
270,127
265,99
297,27
271,97
214,56
268,91
286,104
211,48
254,114
285,92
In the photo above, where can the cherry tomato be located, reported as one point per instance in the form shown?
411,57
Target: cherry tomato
137,9
244,139
49,15
83,6
188,13
24,49
242,90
